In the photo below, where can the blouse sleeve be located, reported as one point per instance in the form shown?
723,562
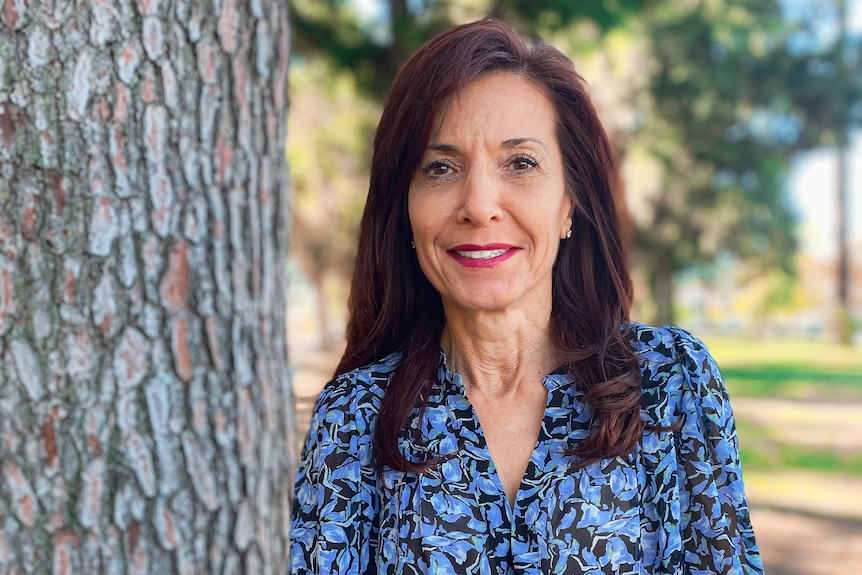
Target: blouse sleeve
333,525
716,528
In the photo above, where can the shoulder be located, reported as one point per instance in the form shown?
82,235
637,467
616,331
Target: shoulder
354,397
698,462
361,384
664,345
676,368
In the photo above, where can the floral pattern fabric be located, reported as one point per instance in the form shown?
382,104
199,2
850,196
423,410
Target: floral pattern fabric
675,505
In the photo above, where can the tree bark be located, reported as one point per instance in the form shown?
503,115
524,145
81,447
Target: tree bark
145,407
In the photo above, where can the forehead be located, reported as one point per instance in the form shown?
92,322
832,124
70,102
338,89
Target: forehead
499,105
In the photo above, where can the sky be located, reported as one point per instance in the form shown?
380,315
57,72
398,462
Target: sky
812,187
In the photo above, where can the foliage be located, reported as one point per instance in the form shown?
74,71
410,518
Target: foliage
768,296
329,130
730,101
372,46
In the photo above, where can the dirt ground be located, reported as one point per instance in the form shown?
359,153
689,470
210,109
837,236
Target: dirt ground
805,523
794,543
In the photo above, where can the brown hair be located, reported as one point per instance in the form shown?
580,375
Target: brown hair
393,307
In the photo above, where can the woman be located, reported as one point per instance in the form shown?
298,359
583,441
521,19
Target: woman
495,411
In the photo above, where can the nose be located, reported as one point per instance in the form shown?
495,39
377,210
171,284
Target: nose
480,199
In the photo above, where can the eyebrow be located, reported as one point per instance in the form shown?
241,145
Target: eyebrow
513,142
510,143
436,147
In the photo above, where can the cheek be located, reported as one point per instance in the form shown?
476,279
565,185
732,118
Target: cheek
424,253
412,214
416,206
417,226
423,215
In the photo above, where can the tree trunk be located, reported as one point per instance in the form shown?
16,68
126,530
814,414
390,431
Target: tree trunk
660,280
145,408
842,321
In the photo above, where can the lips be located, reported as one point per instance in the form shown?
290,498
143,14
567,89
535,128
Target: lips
475,256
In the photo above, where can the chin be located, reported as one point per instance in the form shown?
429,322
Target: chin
486,304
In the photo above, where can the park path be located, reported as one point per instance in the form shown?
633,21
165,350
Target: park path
806,523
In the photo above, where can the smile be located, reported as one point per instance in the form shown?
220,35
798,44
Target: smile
477,256
481,254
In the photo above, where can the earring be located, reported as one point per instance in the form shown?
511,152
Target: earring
569,233
413,245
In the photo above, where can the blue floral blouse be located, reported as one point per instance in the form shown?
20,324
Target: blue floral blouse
675,505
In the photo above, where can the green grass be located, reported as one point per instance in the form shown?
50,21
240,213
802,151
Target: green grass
762,450
798,370
791,457
790,369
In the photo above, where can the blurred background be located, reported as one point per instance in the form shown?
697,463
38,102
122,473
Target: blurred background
738,129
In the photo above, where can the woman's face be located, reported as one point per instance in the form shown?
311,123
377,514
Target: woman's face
488,204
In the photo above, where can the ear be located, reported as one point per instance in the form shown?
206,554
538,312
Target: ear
568,221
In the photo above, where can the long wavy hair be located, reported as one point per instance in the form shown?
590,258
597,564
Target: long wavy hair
393,307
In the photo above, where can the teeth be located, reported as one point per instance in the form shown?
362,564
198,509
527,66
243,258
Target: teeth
482,254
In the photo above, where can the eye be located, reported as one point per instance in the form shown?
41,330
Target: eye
523,163
437,169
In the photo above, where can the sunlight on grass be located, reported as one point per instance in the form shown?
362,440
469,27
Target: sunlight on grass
791,369
804,435
762,450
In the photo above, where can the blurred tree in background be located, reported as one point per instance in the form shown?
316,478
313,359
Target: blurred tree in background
723,95
735,90
375,44
329,154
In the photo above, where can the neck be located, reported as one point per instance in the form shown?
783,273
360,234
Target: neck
496,353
